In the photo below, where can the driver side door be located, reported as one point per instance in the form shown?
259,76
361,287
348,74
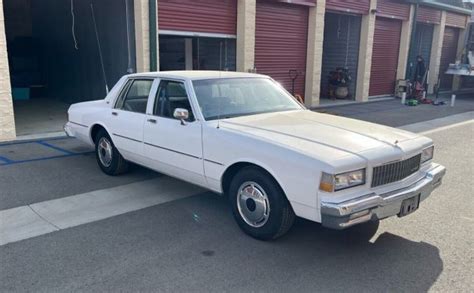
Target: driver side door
173,147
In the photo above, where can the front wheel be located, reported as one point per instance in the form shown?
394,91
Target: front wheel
108,157
259,205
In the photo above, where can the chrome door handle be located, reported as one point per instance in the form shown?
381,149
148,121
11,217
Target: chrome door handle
151,120
115,113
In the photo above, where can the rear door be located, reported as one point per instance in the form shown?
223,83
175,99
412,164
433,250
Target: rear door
170,146
126,119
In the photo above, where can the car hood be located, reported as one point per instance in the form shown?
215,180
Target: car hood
298,128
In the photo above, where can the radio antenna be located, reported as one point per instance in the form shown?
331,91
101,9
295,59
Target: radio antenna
100,50
219,105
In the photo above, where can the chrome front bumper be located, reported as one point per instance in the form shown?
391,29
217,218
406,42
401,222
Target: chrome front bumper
379,206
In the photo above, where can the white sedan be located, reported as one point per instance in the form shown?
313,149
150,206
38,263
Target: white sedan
244,136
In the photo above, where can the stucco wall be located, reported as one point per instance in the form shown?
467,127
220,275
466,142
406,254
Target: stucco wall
7,122
246,10
314,54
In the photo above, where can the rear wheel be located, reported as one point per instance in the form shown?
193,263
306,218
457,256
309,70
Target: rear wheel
259,205
108,157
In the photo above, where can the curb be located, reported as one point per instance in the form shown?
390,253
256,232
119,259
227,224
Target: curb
37,136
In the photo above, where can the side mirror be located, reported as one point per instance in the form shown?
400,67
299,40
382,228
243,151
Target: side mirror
181,114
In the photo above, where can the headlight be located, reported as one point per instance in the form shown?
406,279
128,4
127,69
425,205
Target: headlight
427,154
330,183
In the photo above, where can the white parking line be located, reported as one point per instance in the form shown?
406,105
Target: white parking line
45,217
439,124
447,127
22,223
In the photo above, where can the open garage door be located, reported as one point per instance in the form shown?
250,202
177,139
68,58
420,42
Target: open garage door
340,50
55,58
385,56
197,35
421,47
280,42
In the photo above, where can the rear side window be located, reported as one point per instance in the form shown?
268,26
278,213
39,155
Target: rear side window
134,97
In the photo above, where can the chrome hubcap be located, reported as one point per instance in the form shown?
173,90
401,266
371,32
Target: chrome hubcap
253,204
104,150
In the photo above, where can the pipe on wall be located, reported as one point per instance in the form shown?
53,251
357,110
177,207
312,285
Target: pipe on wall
153,35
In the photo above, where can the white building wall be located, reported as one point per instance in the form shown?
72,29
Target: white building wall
7,121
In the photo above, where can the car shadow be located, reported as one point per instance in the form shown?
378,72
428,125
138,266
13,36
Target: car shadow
194,244
386,264
331,260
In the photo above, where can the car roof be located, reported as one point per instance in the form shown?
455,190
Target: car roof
197,74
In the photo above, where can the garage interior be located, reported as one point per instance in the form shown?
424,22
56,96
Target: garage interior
421,47
448,55
63,52
197,53
340,50
468,81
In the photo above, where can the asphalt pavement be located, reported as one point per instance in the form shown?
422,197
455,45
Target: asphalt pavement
392,113
193,243
35,171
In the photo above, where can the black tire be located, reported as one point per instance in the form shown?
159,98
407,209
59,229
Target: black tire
280,216
118,165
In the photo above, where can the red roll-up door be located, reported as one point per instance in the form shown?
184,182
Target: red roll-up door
428,15
207,16
280,42
448,55
349,6
393,9
456,20
385,56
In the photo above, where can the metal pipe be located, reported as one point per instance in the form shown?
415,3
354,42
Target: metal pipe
153,35
129,45
411,45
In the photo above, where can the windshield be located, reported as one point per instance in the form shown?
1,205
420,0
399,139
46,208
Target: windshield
233,97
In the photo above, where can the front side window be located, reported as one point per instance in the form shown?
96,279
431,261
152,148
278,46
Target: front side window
233,97
170,96
134,98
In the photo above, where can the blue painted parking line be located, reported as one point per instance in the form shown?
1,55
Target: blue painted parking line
8,162
32,141
43,143
4,160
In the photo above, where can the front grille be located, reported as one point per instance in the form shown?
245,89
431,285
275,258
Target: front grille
394,172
